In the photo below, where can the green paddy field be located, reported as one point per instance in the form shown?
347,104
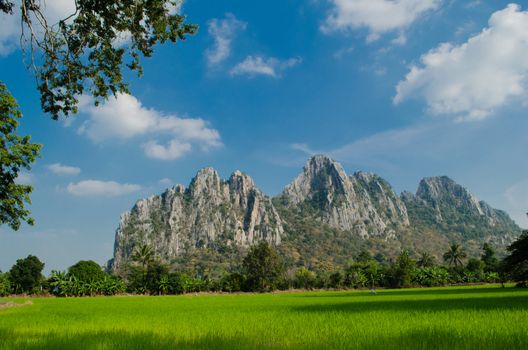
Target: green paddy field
441,318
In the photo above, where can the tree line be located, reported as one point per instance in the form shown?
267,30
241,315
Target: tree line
263,270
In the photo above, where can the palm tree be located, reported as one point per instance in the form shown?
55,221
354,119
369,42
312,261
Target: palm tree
144,255
426,260
454,255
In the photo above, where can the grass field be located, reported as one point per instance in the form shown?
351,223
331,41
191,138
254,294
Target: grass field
441,318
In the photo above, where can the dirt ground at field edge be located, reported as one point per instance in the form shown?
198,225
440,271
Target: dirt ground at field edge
9,305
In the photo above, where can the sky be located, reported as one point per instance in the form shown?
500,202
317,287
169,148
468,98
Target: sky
403,88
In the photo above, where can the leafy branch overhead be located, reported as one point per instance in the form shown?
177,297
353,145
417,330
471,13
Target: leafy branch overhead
84,53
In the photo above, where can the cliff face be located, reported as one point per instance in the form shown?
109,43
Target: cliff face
210,213
362,203
324,215
442,204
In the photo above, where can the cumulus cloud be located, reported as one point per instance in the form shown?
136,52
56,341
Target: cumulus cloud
96,188
60,169
174,150
124,117
471,80
257,65
223,32
377,16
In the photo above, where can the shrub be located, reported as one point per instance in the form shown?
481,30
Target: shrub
304,279
232,282
5,285
431,276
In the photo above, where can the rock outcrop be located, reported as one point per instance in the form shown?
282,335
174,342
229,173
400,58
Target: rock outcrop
362,203
210,213
323,206
442,204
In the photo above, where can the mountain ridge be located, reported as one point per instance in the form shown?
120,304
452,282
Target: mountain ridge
323,206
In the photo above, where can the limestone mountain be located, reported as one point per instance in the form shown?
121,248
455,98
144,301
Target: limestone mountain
321,219
362,203
211,213
447,207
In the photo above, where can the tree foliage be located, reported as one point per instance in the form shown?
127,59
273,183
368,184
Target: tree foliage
403,270
26,274
16,153
516,263
87,271
5,284
143,254
454,255
491,263
263,267
426,260
67,285
82,54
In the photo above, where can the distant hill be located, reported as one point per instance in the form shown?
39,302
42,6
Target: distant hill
322,219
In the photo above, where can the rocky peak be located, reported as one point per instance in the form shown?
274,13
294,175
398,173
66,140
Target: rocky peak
322,179
206,180
362,203
210,213
441,190
240,182
442,202
242,188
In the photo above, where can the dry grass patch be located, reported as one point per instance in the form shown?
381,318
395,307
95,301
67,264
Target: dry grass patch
10,304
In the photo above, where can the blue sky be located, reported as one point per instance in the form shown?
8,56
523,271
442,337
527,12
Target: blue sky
406,89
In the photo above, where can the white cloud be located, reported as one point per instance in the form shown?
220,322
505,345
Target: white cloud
222,31
123,39
9,33
10,26
471,80
377,16
174,150
60,169
379,145
257,65
96,188
473,4
517,198
165,181
174,9
304,148
343,52
124,117
54,11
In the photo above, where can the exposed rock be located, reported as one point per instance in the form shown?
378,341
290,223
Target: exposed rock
449,207
362,203
210,213
323,208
